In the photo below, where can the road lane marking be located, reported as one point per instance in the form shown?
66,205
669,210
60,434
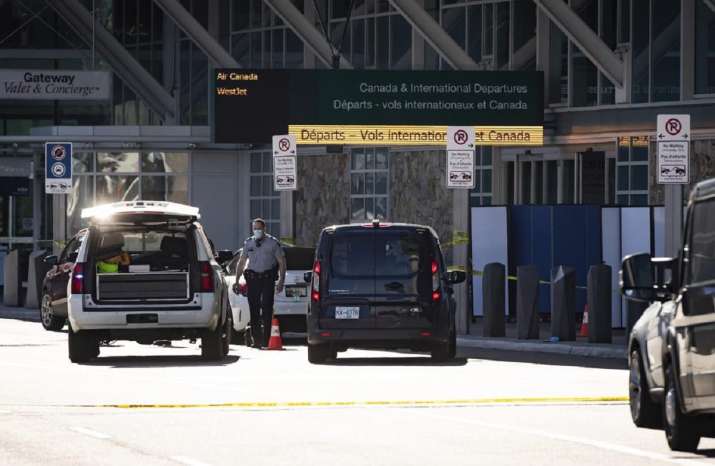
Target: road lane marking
373,403
188,461
90,433
608,446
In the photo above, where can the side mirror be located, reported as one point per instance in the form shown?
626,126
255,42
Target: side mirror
308,277
224,256
636,278
51,260
456,277
665,276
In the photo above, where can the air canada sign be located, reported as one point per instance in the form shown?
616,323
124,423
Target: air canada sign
378,107
55,85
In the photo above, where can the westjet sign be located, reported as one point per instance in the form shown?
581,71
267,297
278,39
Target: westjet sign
55,85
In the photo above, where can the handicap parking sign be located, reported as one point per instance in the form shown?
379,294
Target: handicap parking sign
58,167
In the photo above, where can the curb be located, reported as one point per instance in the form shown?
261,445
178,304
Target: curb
589,351
20,313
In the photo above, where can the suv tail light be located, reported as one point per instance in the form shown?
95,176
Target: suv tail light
78,278
243,289
207,278
436,294
315,287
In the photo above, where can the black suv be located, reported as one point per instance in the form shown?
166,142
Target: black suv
53,306
381,285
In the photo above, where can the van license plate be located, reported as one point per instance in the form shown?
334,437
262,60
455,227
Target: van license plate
347,312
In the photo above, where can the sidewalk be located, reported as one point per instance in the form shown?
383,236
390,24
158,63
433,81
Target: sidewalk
580,347
19,313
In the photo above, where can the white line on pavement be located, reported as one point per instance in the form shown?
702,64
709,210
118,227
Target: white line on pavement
580,440
188,461
91,433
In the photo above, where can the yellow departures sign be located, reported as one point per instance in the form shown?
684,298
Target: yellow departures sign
413,135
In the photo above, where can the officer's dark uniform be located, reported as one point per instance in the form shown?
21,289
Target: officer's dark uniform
261,274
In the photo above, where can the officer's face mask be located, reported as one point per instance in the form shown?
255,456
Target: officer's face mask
258,234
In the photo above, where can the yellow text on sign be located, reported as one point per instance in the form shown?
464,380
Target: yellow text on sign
413,135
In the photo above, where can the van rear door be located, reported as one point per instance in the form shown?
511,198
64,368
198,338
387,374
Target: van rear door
350,280
403,278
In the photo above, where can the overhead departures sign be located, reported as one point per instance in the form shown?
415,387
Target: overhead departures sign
378,107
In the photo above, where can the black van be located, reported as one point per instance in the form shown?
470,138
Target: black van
381,285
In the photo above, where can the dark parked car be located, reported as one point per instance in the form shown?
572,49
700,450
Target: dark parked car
381,285
53,305
672,345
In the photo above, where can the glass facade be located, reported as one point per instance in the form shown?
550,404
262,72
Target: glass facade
260,39
482,192
632,171
102,177
265,202
369,175
704,47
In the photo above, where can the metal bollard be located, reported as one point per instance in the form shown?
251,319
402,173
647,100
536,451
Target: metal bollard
563,303
527,293
599,304
493,287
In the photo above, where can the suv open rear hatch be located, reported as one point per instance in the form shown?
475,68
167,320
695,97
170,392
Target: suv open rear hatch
141,212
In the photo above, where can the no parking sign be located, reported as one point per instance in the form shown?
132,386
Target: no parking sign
58,167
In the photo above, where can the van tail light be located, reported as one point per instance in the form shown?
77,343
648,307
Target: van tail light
78,278
315,287
207,278
436,293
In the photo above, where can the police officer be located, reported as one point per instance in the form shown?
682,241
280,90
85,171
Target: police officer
263,253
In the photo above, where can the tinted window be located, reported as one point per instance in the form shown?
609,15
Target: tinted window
352,256
299,258
397,255
381,262
702,244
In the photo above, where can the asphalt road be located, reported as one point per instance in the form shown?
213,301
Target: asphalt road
154,405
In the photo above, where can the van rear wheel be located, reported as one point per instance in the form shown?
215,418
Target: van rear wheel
318,354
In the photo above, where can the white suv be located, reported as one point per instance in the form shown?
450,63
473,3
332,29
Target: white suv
146,272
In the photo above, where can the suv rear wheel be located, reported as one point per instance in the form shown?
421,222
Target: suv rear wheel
681,430
82,346
215,344
318,354
49,320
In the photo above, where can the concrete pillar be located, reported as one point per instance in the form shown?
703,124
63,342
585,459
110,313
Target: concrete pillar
527,294
34,280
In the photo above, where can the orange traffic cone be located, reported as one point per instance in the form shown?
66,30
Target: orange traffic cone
584,323
275,342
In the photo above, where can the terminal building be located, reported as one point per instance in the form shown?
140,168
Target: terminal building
143,128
